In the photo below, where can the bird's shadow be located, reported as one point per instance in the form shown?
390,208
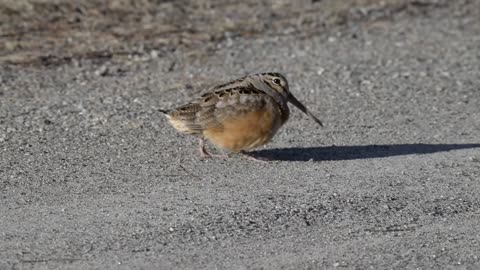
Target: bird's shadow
356,151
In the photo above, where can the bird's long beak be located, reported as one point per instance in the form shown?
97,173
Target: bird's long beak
304,109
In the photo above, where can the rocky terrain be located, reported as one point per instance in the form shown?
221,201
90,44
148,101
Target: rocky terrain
93,177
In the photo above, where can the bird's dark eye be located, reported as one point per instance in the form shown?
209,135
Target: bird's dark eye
276,81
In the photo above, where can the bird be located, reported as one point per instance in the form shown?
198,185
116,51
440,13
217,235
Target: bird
239,115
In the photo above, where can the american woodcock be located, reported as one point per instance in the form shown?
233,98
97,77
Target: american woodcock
239,115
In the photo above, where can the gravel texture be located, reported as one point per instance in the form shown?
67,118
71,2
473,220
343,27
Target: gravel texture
93,177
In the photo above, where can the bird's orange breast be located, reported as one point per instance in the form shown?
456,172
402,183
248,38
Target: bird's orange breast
245,131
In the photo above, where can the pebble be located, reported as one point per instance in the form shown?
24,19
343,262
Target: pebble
102,71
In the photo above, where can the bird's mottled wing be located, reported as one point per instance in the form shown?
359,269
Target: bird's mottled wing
236,101
186,117
215,107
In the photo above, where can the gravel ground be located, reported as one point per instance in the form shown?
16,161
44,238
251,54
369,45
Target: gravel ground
93,177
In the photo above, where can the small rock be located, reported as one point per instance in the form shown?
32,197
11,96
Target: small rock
102,71
154,54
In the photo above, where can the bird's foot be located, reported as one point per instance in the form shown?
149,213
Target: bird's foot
205,154
252,157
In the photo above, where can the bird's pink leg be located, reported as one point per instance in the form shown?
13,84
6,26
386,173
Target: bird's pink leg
205,154
203,151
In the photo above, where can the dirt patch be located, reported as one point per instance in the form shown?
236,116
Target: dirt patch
41,32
